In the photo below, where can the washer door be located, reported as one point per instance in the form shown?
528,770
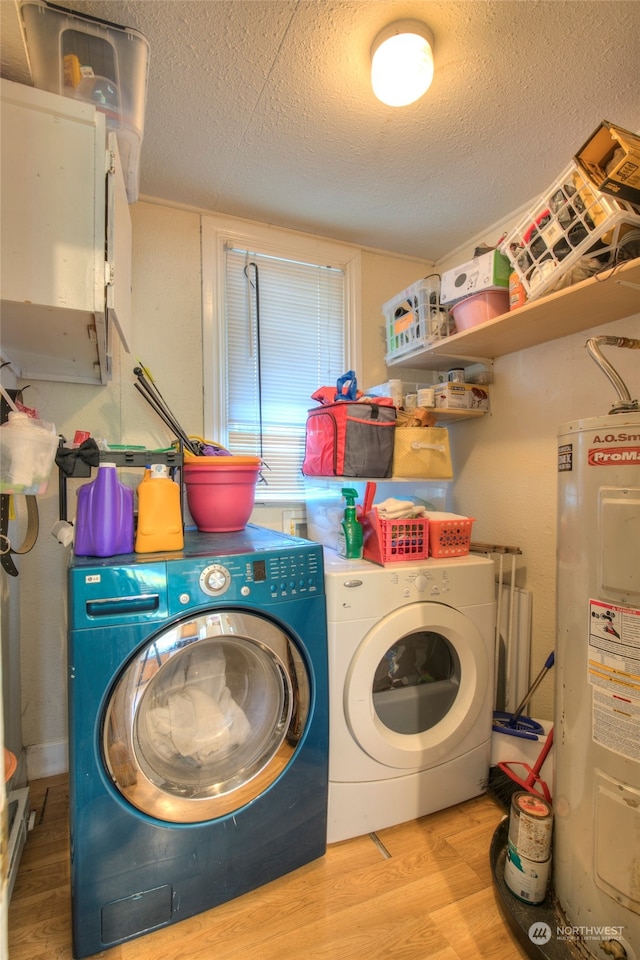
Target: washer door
416,685
205,716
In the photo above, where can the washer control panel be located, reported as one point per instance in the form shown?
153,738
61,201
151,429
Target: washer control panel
258,578
427,584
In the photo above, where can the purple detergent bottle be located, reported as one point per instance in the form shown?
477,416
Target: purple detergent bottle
104,519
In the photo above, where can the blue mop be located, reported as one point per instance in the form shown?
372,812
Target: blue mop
514,724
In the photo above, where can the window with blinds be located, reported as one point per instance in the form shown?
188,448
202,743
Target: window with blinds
285,333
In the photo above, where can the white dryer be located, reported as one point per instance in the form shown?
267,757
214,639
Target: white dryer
411,660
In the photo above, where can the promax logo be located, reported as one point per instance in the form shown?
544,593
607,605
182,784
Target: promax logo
605,456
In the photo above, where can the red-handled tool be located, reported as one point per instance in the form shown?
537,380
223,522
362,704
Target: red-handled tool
369,494
529,779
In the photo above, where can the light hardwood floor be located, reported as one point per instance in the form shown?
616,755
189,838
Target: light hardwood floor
428,895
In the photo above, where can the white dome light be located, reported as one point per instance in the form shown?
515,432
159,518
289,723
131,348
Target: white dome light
402,62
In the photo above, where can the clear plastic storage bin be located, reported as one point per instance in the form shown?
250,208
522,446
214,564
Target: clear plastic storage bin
95,61
573,219
415,318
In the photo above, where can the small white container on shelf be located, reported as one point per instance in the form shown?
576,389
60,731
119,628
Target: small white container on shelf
489,271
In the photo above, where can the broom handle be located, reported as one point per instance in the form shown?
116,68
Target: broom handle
542,756
498,638
532,689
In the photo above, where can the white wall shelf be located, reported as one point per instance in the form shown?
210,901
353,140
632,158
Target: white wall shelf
448,415
611,295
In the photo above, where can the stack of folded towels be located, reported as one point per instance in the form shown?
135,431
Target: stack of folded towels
392,509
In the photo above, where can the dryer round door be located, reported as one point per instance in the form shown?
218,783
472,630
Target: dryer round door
205,716
416,685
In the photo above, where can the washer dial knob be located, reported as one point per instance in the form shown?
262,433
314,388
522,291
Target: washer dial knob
215,580
421,583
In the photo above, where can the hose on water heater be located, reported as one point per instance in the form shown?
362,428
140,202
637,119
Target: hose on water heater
625,404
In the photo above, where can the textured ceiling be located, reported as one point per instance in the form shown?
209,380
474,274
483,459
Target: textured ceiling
264,109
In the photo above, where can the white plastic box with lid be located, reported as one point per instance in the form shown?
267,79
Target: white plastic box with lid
489,271
99,62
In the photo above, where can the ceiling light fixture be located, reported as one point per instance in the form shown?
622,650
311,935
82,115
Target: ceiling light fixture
402,62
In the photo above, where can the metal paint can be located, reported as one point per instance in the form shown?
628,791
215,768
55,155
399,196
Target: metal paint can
526,879
530,825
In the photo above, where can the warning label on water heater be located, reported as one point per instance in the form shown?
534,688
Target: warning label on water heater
613,669
565,457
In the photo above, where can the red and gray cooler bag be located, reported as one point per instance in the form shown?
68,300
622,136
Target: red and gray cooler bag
349,440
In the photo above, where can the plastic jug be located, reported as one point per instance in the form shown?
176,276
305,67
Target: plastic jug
159,513
104,519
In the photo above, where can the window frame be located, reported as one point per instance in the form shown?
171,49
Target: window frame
216,232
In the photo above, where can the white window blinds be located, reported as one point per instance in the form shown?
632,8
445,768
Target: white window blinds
285,337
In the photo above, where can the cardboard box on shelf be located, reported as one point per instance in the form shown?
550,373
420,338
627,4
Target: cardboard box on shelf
611,160
487,272
461,396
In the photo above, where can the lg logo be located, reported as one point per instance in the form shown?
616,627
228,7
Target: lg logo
540,933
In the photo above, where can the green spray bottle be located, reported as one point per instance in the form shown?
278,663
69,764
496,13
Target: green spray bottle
350,536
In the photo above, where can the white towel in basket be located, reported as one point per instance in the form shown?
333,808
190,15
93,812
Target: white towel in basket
392,509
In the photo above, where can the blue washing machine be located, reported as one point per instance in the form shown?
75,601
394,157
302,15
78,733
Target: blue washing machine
198,728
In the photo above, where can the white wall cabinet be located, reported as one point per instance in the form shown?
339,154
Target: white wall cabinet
65,238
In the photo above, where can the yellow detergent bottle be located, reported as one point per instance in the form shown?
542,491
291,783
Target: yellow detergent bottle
159,512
